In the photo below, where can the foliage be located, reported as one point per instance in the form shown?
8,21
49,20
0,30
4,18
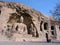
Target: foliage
56,12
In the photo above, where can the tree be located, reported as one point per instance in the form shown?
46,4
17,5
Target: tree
56,11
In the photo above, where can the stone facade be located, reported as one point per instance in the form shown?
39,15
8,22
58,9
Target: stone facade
21,23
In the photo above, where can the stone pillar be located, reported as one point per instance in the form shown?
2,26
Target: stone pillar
57,31
43,26
43,32
49,30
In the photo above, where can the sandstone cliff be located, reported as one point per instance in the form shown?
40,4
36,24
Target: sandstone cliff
10,14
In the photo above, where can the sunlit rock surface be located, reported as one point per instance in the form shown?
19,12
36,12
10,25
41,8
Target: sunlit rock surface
22,23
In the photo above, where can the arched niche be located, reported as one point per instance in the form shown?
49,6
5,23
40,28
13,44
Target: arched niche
27,20
52,27
45,26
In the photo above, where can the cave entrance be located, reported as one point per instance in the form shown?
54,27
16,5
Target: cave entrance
52,30
27,21
46,26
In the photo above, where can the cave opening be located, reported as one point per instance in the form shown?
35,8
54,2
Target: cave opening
52,27
45,26
27,20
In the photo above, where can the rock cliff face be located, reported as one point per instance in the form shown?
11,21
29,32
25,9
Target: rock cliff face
21,23
10,14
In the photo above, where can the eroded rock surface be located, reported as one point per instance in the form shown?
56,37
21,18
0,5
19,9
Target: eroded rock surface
21,23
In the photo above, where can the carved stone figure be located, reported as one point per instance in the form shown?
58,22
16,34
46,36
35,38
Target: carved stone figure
21,27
